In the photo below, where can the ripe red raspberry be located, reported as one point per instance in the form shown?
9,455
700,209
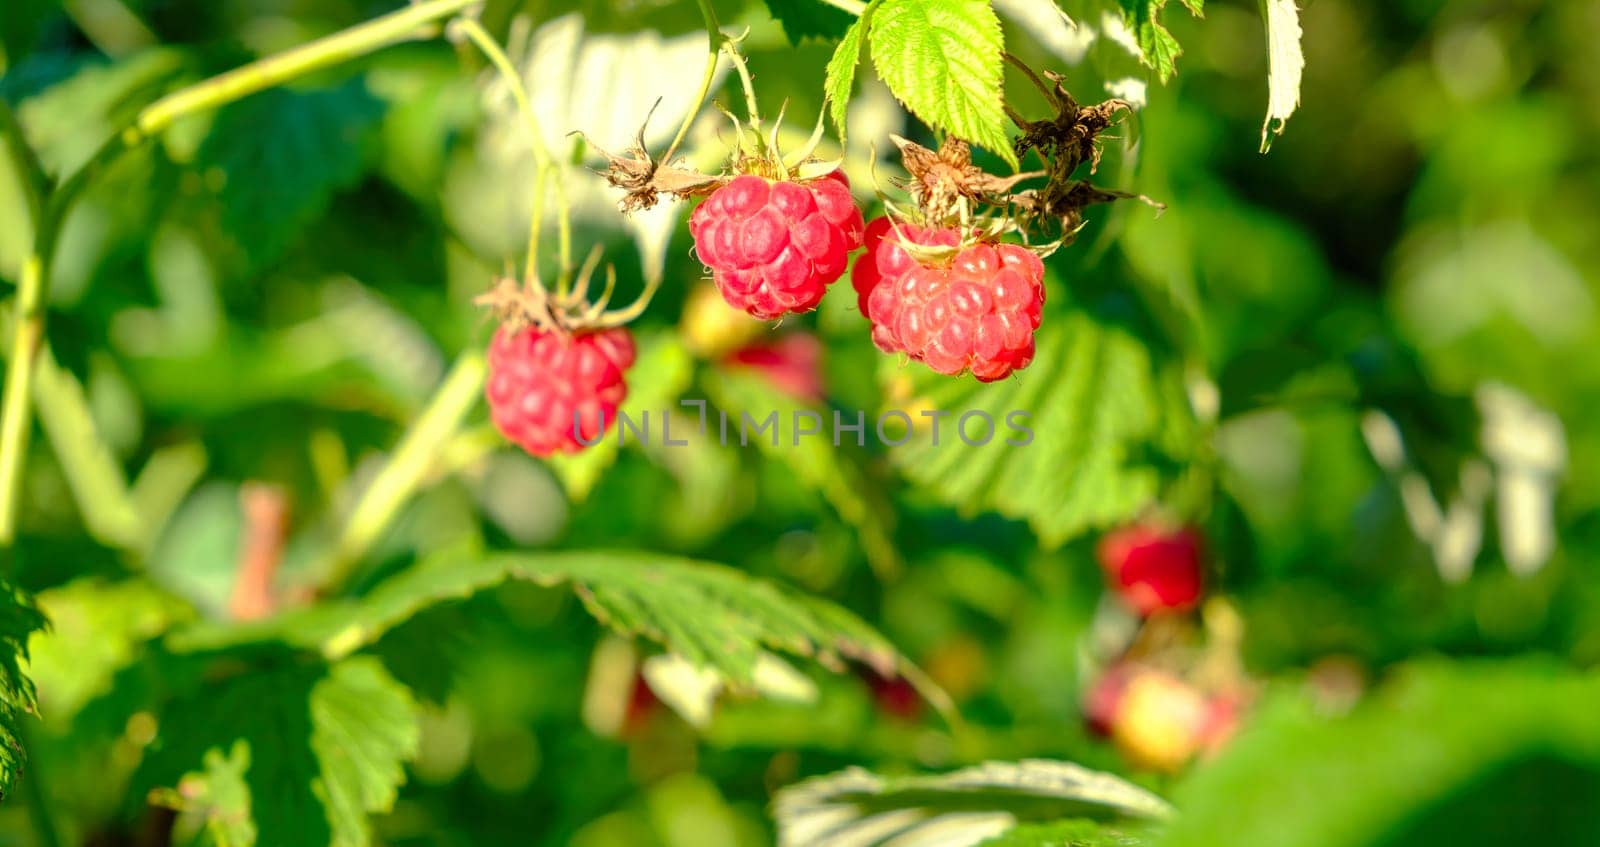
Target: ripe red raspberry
792,364
884,259
541,381
975,312
1154,569
774,246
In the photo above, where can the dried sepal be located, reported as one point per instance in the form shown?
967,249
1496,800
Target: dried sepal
941,182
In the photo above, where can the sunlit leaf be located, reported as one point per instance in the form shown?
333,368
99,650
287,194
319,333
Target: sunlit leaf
859,808
1284,66
1071,443
942,59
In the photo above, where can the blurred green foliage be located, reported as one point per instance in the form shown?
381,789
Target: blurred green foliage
1364,364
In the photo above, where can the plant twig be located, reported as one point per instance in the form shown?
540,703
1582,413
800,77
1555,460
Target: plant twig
474,32
714,41
406,469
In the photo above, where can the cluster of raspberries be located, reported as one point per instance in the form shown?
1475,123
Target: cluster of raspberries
773,247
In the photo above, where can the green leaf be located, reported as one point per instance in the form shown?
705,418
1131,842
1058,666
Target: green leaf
324,746
19,619
659,376
67,122
214,803
1458,753
1068,833
97,627
1101,411
964,807
1160,50
712,615
1285,63
803,19
280,155
942,59
841,75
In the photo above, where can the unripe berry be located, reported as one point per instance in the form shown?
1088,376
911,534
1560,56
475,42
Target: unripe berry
774,246
1154,569
547,388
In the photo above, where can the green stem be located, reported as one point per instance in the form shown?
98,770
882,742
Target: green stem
209,94
753,113
714,39
492,51
418,453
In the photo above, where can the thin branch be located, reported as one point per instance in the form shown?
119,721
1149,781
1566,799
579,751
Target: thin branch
406,469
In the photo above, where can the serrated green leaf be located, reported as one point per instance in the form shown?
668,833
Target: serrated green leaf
942,59
1285,63
213,804
659,376
280,156
1067,833
841,76
712,615
97,628
1098,407
803,19
1160,50
957,809
1457,753
1195,7
326,747
19,619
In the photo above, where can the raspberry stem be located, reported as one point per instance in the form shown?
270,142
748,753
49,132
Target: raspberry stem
714,41
474,31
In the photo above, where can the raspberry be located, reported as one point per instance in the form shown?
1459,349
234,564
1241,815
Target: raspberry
976,312
885,259
792,364
1160,720
894,696
774,246
1154,569
540,381
1157,719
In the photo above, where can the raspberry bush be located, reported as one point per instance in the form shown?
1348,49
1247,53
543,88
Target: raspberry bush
447,428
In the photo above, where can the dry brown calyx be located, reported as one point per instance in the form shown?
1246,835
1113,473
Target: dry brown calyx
1064,141
643,178
946,184
518,305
